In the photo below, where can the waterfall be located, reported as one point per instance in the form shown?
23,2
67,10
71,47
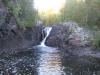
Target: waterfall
45,31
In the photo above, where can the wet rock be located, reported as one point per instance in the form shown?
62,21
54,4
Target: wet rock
68,33
58,36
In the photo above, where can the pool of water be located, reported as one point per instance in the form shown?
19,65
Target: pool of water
48,61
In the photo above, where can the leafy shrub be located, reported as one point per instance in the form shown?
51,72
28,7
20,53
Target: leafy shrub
22,11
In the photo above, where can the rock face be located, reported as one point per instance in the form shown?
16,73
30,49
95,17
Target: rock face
68,33
58,36
12,38
13,43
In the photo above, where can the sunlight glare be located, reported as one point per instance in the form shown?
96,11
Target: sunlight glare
49,5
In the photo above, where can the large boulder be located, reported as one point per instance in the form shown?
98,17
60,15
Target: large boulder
58,36
68,33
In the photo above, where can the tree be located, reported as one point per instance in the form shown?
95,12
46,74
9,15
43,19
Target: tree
23,11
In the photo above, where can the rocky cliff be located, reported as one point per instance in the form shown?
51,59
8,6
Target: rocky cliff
11,36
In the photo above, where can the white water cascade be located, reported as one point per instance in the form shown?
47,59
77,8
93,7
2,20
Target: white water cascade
46,31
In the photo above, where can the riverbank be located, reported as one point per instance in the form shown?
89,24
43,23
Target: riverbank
60,37
10,43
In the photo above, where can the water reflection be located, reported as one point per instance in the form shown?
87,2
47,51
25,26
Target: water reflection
50,62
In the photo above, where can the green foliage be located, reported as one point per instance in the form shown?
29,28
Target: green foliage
73,11
49,19
22,11
85,13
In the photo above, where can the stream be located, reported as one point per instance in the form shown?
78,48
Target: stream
45,60
48,61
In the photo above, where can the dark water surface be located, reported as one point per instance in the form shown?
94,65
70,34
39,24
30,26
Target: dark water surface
48,61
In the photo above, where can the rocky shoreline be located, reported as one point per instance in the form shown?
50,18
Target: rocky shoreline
57,38
18,42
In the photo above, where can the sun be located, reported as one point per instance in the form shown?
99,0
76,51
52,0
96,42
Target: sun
49,5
